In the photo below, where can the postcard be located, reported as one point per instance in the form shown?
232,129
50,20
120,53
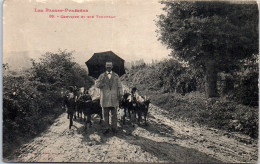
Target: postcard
151,81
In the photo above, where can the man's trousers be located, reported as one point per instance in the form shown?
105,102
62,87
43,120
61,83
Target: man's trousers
106,117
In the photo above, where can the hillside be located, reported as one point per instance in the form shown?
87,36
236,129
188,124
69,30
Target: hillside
180,91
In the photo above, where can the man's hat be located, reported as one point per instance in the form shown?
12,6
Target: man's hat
109,64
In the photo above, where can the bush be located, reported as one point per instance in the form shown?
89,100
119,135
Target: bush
31,99
169,76
247,89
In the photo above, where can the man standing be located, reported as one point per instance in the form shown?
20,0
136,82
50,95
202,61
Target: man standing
110,95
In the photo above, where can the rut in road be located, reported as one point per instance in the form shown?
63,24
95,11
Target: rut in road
163,140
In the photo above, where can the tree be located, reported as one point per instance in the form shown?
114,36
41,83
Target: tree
58,70
213,35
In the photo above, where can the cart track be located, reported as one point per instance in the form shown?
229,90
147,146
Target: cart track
163,140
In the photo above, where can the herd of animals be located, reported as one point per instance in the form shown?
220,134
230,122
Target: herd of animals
79,104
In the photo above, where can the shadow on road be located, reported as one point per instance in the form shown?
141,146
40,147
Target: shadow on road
169,152
93,134
162,150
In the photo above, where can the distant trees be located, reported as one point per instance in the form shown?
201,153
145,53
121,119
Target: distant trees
215,36
135,63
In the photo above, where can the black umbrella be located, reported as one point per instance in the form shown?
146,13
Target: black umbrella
96,64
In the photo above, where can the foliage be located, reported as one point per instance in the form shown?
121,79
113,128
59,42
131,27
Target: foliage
163,83
246,82
167,76
197,31
231,116
58,70
241,85
31,99
143,65
214,36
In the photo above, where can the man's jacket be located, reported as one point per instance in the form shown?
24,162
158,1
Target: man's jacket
110,90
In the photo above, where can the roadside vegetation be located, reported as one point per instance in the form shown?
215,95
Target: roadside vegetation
218,83
32,98
180,90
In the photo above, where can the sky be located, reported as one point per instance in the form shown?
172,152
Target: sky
131,34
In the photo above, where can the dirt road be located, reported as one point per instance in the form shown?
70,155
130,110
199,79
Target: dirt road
163,140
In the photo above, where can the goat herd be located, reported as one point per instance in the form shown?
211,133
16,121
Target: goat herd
80,104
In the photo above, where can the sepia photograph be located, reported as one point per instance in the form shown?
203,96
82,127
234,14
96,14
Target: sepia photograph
130,81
